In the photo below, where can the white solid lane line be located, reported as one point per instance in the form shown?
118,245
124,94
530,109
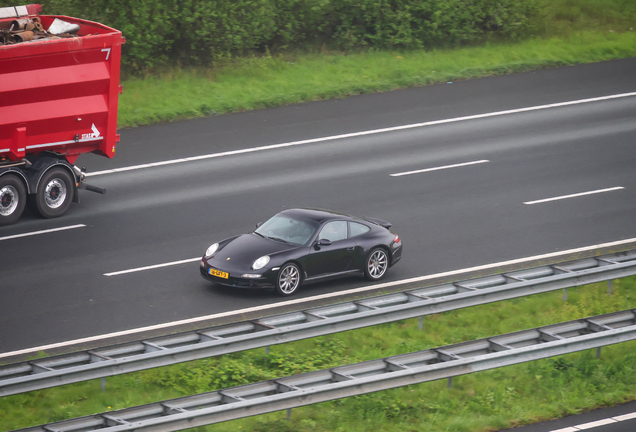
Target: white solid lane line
313,298
42,232
597,423
574,195
153,267
362,133
625,417
439,168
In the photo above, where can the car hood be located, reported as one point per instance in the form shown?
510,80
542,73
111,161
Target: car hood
246,248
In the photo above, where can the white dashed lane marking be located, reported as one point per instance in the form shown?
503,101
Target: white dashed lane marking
151,267
439,168
574,195
42,232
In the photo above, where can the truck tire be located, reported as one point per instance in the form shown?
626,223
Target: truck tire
12,199
55,193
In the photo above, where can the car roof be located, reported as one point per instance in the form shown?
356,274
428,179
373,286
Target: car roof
316,215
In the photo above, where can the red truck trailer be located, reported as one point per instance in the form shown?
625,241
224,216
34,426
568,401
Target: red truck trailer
59,88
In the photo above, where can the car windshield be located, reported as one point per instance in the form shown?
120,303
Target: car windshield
288,229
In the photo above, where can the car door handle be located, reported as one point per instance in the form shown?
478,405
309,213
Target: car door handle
351,248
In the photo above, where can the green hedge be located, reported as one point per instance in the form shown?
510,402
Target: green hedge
199,32
426,24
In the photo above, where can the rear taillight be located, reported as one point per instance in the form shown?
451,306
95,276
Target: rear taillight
396,239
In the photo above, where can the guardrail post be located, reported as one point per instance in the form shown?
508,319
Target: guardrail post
449,384
104,384
420,324
609,287
598,352
565,294
267,350
289,413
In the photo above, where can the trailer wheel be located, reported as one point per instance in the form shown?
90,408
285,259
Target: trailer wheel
12,199
55,193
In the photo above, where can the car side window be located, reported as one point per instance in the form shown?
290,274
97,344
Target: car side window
334,231
358,228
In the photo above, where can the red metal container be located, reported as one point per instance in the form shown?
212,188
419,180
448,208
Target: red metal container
60,95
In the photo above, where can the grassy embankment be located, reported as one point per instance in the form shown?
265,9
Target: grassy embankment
479,402
572,32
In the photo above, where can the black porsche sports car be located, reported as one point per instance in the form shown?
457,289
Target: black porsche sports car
298,246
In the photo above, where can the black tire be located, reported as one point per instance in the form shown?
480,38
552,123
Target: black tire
55,193
288,280
13,197
376,264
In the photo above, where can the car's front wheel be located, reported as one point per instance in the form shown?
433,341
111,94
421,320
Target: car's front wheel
377,264
288,279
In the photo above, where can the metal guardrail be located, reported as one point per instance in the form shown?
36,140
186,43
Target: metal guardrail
361,378
163,351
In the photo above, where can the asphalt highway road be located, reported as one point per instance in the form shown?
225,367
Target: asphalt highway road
619,418
486,206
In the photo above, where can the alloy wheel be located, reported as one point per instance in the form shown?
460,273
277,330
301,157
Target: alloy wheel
288,279
377,264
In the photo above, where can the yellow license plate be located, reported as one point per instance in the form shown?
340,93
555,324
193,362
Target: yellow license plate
219,273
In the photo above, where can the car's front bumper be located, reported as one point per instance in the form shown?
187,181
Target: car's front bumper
266,280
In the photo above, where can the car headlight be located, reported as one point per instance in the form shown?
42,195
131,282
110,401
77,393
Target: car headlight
211,250
260,263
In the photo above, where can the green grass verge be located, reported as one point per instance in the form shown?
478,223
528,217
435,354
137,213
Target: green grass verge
269,81
569,32
478,402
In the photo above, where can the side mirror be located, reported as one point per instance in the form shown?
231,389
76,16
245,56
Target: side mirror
259,224
321,242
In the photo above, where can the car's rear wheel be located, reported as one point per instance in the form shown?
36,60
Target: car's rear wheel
12,199
288,279
376,264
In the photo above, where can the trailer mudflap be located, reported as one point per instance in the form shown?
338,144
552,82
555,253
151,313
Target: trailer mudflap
92,188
